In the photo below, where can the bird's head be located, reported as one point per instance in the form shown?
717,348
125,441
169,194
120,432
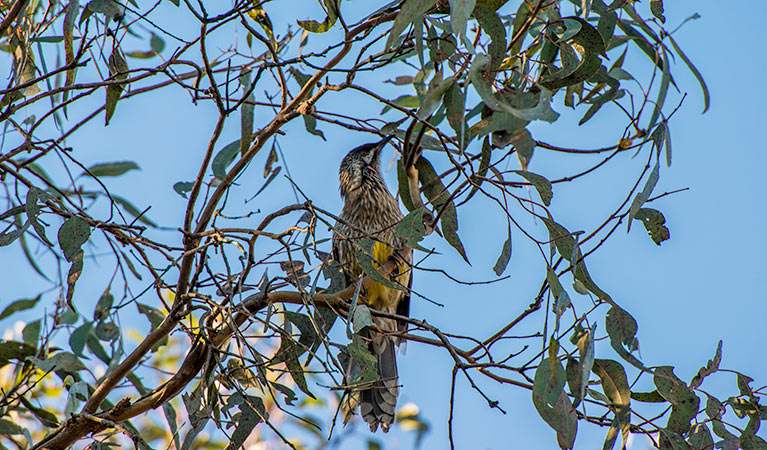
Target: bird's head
360,166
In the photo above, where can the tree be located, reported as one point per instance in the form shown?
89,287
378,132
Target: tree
259,354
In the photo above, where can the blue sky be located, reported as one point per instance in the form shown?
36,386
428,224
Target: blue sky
702,285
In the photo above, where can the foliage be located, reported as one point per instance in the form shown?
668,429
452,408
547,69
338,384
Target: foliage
250,354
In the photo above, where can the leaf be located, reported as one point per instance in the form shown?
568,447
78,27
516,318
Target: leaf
110,8
411,228
223,158
133,211
9,428
316,27
117,71
593,45
72,235
504,257
695,72
361,318
103,306
69,24
63,361
294,367
653,222
409,12
431,100
437,195
79,337
684,402
700,437
656,8
33,211
622,330
455,103
710,367
616,389
309,334
541,184
648,397
112,169
10,350
460,10
252,412
553,404
19,305
365,370
31,333
155,319
182,187
641,197
492,25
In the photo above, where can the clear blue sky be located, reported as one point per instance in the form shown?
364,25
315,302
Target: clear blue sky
702,285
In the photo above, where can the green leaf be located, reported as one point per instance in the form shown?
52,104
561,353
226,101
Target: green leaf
653,222
103,306
411,228
684,402
107,331
553,404
31,333
316,27
79,337
541,184
616,389
133,211
405,101
252,412
112,169
73,6
656,8
365,361
437,195
431,100
648,397
33,211
455,103
117,71
9,428
460,10
309,334
504,257
110,8
15,350
182,187
641,197
64,361
588,38
45,417
361,319
155,319
622,330
223,158
700,437
492,25
19,305
695,72
409,12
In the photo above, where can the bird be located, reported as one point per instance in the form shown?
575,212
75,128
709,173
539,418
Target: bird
371,211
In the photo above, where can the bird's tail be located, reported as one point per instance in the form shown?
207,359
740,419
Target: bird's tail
378,401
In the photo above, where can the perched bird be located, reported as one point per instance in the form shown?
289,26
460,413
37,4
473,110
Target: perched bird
370,211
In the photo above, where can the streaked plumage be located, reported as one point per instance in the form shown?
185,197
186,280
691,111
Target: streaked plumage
370,210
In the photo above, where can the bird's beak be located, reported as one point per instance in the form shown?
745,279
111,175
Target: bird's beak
382,144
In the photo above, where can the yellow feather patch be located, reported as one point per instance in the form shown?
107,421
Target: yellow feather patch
379,296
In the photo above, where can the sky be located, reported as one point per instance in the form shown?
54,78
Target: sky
703,285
